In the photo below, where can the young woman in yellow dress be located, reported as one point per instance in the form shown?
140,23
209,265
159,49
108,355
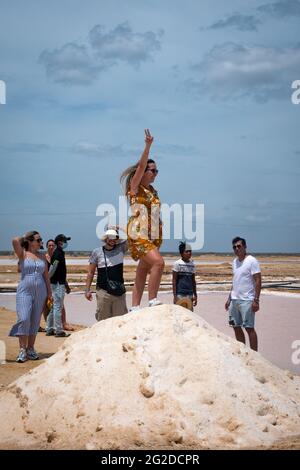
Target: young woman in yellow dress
144,229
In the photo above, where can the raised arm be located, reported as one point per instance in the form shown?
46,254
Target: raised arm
139,173
18,249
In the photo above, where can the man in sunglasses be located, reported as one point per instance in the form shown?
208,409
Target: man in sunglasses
243,300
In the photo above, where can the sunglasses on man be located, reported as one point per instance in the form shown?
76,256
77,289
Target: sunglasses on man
236,247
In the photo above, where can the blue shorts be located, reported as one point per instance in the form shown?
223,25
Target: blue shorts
241,313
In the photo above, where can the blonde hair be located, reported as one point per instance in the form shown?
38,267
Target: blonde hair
126,177
28,237
128,174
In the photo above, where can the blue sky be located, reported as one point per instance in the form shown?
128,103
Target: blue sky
211,79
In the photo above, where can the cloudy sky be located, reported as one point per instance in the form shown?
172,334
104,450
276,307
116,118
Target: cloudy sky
211,79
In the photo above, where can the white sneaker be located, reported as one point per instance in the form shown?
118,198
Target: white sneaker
32,354
134,308
154,302
22,357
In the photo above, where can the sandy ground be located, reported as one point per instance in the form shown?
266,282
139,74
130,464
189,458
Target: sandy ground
209,268
45,345
277,324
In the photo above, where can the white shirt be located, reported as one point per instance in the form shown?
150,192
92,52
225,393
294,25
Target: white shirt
243,285
185,271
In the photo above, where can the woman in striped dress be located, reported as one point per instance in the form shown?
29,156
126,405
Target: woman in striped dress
32,292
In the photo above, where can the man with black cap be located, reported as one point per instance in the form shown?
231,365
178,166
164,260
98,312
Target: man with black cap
58,279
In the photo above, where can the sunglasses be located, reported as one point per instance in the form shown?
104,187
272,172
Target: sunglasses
39,240
153,170
235,247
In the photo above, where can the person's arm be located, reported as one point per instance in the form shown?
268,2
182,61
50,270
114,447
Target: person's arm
228,301
68,288
47,279
174,282
89,280
194,290
18,249
257,282
53,268
139,173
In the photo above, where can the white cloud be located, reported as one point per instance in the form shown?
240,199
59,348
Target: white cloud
239,21
75,64
24,147
91,149
281,9
250,22
70,64
232,70
257,218
122,44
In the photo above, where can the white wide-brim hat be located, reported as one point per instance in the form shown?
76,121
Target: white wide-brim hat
110,233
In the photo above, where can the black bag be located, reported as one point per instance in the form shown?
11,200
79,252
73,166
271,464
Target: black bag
113,287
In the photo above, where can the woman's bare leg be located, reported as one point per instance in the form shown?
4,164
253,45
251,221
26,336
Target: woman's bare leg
155,273
155,260
23,339
140,280
31,341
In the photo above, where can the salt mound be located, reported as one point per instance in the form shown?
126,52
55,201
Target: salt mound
158,378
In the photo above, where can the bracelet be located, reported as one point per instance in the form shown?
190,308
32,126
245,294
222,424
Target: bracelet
87,291
256,300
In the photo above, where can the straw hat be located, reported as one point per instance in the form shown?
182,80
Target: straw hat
185,302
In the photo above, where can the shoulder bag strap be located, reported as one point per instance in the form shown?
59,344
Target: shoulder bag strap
105,263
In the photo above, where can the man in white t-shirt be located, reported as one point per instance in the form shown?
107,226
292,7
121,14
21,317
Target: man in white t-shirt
243,300
109,260
183,278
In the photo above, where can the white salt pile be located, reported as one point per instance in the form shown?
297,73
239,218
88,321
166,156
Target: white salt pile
158,378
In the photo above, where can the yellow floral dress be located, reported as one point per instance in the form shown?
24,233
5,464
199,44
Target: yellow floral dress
144,229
